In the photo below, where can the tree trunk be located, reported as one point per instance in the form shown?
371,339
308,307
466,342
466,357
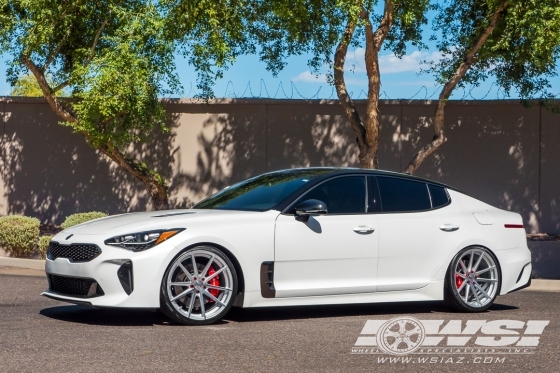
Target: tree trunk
439,135
155,186
367,131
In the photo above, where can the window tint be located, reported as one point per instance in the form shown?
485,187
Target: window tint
439,196
374,200
400,195
343,195
261,193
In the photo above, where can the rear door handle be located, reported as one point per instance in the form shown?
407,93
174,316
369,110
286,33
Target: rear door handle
449,227
363,229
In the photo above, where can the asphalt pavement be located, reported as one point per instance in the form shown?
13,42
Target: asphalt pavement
38,334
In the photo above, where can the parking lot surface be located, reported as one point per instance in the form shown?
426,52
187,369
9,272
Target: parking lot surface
41,335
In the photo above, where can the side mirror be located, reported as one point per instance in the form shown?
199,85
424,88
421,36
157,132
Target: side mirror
311,207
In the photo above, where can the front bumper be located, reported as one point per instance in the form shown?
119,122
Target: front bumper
146,272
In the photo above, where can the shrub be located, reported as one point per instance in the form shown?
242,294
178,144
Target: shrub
19,235
43,245
80,218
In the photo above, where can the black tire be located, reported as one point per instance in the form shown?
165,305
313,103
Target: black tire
184,309
454,300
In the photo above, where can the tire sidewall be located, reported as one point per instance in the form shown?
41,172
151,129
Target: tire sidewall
170,311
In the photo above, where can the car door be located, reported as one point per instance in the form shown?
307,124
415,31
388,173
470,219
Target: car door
418,228
329,254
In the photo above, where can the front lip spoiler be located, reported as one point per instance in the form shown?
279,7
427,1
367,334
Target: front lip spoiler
64,299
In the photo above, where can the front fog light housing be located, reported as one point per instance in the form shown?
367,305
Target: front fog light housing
142,240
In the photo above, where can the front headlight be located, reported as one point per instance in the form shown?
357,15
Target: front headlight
142,240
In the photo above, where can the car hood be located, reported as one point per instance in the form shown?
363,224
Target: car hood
142,221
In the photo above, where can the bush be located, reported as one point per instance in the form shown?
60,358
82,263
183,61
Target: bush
19,235
80,218
43,245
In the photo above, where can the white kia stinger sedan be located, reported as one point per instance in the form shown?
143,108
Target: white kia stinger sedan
296,237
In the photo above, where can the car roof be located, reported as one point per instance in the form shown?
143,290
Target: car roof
355,170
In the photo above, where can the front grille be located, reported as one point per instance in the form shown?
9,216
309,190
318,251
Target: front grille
77,252
75,287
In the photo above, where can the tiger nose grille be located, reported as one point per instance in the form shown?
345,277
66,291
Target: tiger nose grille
75,252
75,287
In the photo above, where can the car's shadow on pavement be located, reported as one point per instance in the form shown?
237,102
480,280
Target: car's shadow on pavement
130,317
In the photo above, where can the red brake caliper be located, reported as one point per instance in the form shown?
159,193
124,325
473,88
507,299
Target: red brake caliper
458,281
214,282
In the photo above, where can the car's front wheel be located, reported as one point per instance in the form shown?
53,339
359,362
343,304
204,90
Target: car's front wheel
199,286
473,280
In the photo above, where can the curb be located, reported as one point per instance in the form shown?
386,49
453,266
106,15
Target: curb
23,263
544,285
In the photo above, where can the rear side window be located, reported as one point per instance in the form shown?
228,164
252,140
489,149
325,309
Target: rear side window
343,195
439,196
400,195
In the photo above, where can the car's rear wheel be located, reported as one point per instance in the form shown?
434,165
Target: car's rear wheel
199,286
473,280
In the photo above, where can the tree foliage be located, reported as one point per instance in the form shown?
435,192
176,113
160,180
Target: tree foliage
116,58
326,29
515,41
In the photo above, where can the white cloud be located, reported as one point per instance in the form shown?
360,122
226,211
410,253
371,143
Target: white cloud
391,64
309,77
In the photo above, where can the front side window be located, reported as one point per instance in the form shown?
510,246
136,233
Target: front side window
343,195
260,193
401,195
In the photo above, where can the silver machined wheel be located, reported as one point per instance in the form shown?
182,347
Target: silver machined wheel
476,277
200,284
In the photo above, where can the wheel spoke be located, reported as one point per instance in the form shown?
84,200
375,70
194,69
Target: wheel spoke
185,271
180,283
205,270
467,294
462,286
476,295
486,279
402,326
478,261
209,295
482,291
202,308
484,270
471,260
218,287
206,279
181,295
463,266
195,270
191,305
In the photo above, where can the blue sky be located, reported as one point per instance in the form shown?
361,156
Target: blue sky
400,79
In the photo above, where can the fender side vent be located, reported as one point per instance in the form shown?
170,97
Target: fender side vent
267,280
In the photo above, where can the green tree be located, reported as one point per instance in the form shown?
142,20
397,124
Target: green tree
113,57
117,58
515,41
27,86
326,29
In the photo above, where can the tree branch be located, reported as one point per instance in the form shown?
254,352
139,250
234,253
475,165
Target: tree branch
96,40
53,54
439,135
340,84
55,105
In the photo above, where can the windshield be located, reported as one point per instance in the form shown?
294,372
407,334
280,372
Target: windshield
261,193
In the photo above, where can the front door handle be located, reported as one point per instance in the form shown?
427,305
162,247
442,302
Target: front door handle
449,227
363,229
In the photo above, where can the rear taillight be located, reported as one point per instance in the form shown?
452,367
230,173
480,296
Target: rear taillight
513,225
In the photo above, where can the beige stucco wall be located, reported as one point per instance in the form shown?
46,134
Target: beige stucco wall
498,151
